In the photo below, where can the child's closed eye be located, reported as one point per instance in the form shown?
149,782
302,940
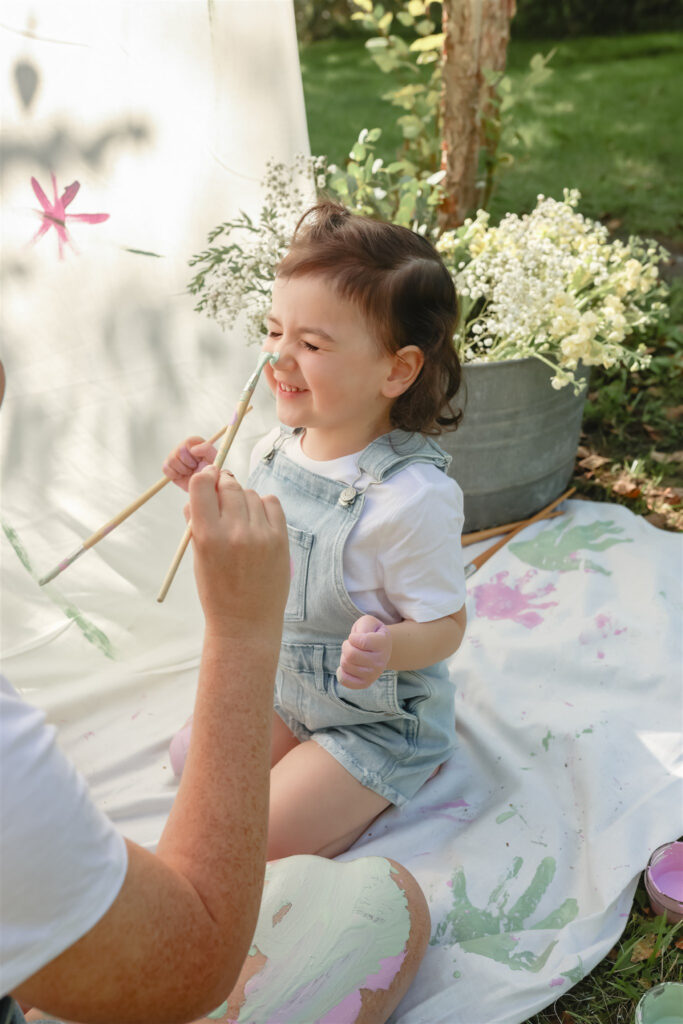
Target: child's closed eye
310,348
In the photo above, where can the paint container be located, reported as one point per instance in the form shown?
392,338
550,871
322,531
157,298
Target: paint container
663,1004
664,881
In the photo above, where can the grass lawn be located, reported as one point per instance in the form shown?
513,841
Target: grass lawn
608,123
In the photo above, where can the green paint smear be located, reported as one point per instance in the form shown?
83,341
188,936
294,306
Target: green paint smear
558,548
143,252
90,631
546,739
491,931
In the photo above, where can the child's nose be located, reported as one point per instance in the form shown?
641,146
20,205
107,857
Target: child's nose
285,350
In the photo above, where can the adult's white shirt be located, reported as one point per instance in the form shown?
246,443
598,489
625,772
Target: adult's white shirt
62,862
403,558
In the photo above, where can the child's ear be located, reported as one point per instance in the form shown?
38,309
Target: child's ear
405,367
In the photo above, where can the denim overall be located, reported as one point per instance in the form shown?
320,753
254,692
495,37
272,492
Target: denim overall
394,734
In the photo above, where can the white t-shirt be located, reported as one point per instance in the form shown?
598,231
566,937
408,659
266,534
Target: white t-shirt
403,558
62,862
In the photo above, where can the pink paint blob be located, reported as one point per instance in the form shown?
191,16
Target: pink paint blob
556,982
664,881
671,884
349,1007
496,600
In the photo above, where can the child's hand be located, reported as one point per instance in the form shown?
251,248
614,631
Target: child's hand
188,458
365,654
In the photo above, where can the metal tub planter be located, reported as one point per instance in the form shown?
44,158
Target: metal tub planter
515,448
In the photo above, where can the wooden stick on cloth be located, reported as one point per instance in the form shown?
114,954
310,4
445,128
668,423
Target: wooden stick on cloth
477,562
496,531
242,405
103,531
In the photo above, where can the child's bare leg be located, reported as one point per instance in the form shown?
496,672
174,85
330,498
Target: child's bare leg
282,741
316,806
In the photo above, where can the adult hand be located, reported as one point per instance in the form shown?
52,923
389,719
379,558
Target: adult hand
241,555
365,654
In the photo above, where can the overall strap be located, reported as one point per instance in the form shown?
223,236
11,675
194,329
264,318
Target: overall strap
392,452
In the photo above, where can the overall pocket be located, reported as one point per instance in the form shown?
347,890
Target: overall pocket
300,543
375,703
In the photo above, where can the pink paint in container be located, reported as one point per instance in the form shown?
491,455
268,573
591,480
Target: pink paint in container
664,881
663,1004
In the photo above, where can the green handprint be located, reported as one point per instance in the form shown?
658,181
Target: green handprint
559,548
491,931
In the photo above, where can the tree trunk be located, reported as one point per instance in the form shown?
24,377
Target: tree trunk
477,33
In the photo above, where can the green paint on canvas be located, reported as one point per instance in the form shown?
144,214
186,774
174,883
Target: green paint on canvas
493,931
560,548
90,631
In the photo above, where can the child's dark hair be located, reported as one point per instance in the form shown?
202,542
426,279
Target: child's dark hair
400,283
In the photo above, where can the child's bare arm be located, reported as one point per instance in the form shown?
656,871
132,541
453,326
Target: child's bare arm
406,646
418,644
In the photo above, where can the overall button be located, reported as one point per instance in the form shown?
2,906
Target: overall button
348,496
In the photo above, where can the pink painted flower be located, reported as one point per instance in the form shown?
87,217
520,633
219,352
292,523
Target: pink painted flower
54,214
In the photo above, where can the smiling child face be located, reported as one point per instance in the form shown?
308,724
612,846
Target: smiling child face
332,373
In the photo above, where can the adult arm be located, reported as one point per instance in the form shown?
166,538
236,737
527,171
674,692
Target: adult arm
171,946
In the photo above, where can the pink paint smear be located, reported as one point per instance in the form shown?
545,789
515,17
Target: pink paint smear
350,1006
497,600
54,213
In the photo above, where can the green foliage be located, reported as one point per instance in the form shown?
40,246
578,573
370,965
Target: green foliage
416,63
537,18
399,192
641,406
418,94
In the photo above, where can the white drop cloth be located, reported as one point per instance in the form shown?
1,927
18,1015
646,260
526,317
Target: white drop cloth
529,843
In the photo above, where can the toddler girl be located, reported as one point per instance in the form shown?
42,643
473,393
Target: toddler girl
362,319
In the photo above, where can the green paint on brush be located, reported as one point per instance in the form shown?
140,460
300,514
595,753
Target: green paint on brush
492,931
558,549
90,631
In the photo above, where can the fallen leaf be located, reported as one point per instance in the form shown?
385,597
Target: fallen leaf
656,435
626,486
657,519
582,451
672,495
594,461
567,1018
679,944
674,412
643,949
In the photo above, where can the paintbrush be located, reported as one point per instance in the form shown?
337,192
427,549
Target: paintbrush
495,531
477,562
103,531
240,411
